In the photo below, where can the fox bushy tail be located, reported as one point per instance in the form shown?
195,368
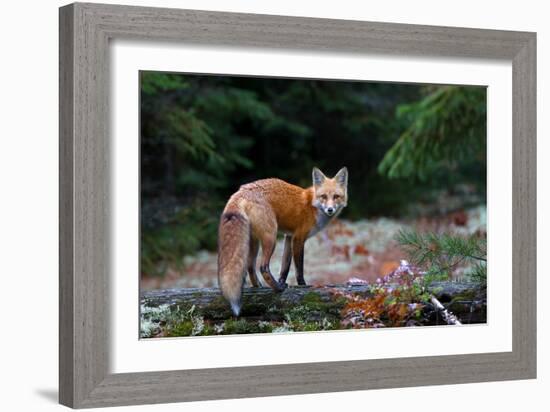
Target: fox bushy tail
233,247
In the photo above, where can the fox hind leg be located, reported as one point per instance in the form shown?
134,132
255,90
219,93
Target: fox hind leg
268,246
264,228
268,241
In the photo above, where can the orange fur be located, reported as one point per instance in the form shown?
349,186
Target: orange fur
255,213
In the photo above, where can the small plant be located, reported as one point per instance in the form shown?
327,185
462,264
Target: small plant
397,299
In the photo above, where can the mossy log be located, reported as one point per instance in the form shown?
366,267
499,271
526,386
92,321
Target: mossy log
466,300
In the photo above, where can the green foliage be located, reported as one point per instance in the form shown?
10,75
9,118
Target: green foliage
240,326
446,129
184,328
443,253
478,272
152,84
190,228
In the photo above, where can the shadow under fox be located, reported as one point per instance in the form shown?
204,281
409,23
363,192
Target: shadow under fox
253,216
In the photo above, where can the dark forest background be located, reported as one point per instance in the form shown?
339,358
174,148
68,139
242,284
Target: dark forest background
203,136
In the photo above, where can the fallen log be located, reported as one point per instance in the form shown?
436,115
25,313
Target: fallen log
444,291
466,301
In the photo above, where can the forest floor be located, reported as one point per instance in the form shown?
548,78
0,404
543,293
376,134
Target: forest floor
364,249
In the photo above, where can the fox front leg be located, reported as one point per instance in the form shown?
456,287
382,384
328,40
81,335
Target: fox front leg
251,264
298,254
287,259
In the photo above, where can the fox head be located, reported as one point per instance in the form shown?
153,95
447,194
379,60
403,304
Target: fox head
330,195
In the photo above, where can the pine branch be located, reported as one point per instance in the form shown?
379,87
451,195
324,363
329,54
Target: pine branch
444,128
442,254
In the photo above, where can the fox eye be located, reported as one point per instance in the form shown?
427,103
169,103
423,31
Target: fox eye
324,197
336,197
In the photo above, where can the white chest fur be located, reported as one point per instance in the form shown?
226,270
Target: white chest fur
321,220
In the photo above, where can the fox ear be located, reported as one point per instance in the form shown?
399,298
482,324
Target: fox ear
318,177
342,177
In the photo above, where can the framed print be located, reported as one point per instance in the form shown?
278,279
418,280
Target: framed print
257,205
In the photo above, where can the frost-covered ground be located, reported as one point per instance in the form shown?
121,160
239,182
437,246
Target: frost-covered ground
365,249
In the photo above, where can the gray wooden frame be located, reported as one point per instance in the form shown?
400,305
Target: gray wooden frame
85,31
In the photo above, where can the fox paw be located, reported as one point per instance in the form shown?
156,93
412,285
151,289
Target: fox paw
282,284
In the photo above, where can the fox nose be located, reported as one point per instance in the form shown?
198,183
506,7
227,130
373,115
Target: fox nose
330,210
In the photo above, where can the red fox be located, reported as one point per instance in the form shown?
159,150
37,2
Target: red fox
255,213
